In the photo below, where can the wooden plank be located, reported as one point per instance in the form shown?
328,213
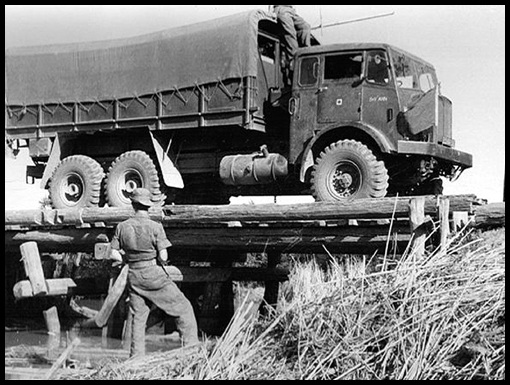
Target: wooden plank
225,274
287,239
82,310
444,222
112,299
63,357
55,288
33,268
459,221
24,373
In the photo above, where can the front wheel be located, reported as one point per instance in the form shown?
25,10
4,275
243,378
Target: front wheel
348,170
76,183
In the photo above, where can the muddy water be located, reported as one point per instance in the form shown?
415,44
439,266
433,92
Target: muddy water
31,332
90,339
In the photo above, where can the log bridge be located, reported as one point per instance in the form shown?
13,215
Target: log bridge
220,235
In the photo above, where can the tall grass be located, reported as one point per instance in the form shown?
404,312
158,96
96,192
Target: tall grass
438,317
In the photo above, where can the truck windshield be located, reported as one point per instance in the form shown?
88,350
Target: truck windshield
413,74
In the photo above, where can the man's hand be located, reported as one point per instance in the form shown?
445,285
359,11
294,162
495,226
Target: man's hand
163,256
116,257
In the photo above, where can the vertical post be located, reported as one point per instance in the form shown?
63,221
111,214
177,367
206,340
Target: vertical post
460,220
52,321
53,326
33,268
444,221
272,287
127,332
417,223
217,307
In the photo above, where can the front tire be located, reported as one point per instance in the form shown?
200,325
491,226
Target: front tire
131,170
348,170
76,183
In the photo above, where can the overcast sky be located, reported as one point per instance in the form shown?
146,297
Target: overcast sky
466,43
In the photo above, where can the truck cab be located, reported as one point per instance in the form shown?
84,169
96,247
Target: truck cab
373,117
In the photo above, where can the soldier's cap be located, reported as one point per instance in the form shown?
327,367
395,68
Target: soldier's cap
142,196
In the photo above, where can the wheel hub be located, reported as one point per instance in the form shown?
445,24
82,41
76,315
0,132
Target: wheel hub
72,189
131,181
346,180
342,180
131,186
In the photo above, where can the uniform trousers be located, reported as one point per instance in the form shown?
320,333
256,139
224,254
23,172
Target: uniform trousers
151,285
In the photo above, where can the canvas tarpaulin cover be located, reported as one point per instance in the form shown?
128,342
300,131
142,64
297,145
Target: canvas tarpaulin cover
181,57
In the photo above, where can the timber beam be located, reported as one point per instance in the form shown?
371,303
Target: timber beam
302,228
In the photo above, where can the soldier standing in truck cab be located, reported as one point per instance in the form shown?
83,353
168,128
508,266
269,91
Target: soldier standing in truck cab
143,241
297,30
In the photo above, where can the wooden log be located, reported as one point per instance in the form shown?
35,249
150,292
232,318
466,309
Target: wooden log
33,268
418,231
491,215
55,288
63,357
179,216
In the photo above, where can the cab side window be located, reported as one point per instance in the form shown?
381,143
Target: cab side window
309,71
343,67
378,68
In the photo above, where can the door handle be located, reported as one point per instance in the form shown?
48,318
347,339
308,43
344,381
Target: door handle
322,89
293,106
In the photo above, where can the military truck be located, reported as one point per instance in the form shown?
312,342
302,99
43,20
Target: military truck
199,113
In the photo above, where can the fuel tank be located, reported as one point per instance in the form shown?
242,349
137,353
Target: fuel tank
255,169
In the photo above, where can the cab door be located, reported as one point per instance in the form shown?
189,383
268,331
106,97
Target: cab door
379,98
303,105
339,92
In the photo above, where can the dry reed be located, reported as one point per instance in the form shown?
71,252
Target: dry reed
439,317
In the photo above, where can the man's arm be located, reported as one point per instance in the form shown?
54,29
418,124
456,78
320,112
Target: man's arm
162,244
115,250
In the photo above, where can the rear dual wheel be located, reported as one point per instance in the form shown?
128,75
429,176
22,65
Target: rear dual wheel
131,170
76,182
